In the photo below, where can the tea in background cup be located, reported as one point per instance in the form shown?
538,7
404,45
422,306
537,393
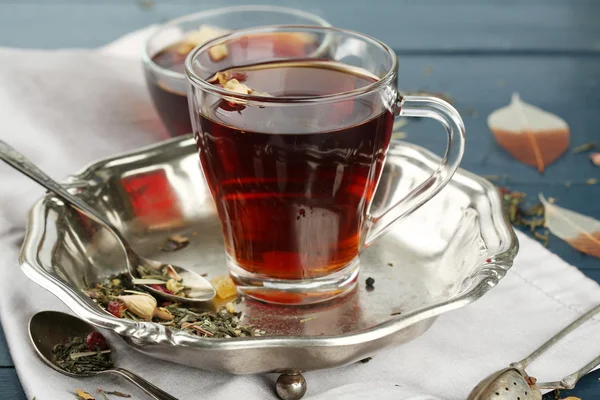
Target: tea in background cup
165,52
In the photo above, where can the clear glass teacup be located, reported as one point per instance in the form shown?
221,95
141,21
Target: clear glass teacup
166,49
292,140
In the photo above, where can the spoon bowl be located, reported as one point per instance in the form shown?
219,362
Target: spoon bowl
198,289
49,328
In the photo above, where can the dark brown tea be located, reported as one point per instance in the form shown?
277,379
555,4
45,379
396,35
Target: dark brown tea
172,104
292,192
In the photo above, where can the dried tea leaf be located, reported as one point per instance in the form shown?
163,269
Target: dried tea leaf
531,135
580,231
585,147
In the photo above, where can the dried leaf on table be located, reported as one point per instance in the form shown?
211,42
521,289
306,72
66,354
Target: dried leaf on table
580,231
533,136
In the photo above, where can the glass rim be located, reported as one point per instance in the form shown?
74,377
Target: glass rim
194,79
147,59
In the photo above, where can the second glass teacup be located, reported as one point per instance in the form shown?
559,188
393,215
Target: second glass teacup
292,145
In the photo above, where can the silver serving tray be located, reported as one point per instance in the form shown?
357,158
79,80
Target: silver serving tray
445,255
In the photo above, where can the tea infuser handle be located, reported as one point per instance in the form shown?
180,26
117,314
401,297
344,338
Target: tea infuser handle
569,381
19,162
153,391
445,114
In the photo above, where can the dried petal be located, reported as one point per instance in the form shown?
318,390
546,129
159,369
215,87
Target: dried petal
163,313
142,305
533,136
580,231
595,159
169,270
84,395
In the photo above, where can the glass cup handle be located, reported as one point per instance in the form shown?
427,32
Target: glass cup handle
444,113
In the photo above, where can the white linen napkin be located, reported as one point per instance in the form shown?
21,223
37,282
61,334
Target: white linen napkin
67,108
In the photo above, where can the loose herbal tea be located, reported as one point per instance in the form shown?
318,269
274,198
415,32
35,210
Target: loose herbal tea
80,356
120,296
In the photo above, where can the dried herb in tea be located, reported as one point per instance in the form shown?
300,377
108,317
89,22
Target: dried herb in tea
74,356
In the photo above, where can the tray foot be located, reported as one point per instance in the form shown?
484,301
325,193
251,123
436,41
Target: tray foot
291,386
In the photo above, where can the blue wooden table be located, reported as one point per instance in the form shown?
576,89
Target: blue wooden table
477,51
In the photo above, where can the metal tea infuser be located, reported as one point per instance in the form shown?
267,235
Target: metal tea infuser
513,383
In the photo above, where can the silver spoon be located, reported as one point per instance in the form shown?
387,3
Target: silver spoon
49,328
514,383
198,289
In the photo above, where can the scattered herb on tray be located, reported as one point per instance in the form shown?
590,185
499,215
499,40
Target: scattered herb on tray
114,393
174,243
532,217
370,282
122,298
79,357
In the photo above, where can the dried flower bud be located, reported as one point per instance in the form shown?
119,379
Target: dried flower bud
595,159
163,313
229,307
174,286
142,305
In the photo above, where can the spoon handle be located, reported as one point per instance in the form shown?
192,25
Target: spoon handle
150,389
19,162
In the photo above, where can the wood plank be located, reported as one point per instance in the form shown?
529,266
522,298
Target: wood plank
505,26
10,387
5,359
587,388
